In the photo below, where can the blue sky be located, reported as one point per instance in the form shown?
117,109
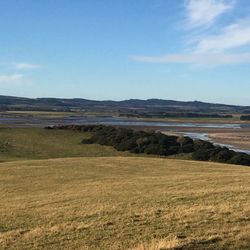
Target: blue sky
122,49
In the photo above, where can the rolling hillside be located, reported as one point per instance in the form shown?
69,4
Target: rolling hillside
123,203
150,105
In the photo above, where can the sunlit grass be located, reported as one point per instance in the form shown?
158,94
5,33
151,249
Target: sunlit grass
38,143
123,203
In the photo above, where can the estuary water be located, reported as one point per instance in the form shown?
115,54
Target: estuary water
33,121
30,121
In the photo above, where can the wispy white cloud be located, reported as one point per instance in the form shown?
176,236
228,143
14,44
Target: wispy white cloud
207,47
210,59
205,12
27,66
233,36
8,79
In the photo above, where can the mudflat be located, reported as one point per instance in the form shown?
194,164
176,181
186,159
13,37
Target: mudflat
239,138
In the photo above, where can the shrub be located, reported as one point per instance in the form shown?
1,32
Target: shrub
201,145
202,154
240,159
224,155
149,142
245,117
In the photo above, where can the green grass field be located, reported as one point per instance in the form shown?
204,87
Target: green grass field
93,197
37,143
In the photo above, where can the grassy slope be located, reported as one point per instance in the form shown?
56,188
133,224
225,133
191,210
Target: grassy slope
37,143
123,202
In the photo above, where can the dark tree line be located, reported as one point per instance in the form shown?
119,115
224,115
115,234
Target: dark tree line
156,143
245,117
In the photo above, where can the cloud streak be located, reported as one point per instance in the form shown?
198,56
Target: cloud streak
233,36
27,66
9,79
205,12
197,59
207,47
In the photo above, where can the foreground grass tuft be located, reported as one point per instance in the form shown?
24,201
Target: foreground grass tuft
171,242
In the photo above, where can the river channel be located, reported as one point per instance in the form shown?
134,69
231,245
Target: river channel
33,121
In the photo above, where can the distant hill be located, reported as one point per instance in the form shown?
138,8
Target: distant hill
132,105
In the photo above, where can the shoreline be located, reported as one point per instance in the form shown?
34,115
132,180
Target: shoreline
232,135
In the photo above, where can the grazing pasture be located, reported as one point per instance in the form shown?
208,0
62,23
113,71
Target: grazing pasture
123,203
38,143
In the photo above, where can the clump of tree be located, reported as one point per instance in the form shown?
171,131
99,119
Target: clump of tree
245,117
156,143
124,139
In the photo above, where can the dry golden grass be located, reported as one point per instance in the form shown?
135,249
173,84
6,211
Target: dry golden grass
168,243
123,203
